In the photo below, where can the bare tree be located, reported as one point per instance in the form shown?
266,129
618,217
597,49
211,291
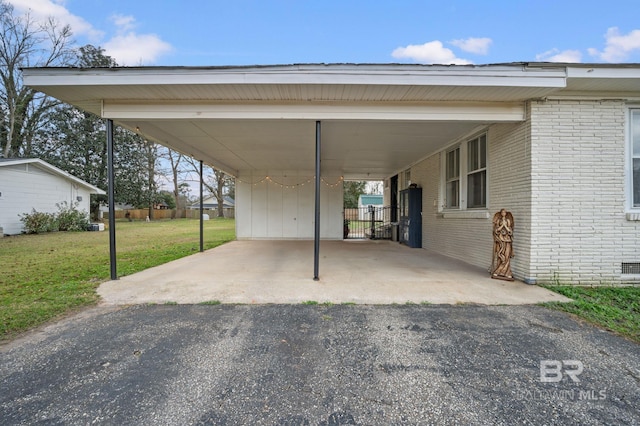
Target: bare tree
175,162
150,152
374,187
215,183
25,43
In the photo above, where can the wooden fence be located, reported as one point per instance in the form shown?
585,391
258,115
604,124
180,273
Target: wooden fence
351,214
141,214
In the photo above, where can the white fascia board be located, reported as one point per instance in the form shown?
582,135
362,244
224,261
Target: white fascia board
589,96
381,75
467,111
603,72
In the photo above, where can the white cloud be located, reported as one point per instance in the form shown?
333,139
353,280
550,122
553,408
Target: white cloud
136,49
555,55
478,46
618,47
127,47
432,52
41,10
131,48
123,22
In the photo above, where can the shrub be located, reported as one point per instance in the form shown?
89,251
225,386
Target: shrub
68,218
38,222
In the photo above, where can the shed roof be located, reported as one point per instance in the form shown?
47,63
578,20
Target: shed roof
371,199
53,170
213,201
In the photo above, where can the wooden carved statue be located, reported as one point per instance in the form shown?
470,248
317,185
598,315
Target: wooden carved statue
502,245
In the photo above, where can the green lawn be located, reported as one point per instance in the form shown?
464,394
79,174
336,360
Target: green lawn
614,308
44,276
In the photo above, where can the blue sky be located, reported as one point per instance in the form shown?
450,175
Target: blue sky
242,32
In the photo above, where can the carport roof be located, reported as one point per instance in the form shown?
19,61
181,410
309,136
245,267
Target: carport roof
376,118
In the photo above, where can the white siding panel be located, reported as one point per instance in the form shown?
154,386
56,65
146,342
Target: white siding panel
283,206
306,210
243,215
331,203
275,206
27,187
290,207
260,213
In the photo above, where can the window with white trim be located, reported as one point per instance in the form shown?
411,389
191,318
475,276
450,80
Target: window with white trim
452,197
465,182
634,151
477,172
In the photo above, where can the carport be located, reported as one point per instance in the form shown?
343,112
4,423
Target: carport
300,127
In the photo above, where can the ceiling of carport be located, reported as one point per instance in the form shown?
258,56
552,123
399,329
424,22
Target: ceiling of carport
355,149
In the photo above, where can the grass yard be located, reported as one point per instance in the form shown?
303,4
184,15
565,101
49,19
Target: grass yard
614,308
44,276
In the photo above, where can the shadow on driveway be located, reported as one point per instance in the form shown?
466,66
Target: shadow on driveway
319,365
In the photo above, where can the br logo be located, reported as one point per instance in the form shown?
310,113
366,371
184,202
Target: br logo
552,371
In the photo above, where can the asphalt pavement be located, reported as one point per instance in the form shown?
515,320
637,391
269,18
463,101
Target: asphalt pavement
319,365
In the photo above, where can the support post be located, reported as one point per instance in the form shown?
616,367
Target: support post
112,210
201,209
316,251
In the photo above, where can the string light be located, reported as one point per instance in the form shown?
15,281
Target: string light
270,180
333,185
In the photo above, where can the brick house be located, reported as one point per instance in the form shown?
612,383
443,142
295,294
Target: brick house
558,145
565,172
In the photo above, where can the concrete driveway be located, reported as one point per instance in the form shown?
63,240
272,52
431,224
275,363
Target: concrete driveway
370,272
319,365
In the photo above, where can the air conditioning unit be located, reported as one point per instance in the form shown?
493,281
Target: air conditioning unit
96,227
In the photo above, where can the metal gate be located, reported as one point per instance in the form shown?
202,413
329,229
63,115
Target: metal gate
370,222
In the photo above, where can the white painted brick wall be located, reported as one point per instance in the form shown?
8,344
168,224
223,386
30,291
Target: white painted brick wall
510,187
465,239
579,230
470,239
561,174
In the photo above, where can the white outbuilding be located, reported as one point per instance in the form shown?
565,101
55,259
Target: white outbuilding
30,183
